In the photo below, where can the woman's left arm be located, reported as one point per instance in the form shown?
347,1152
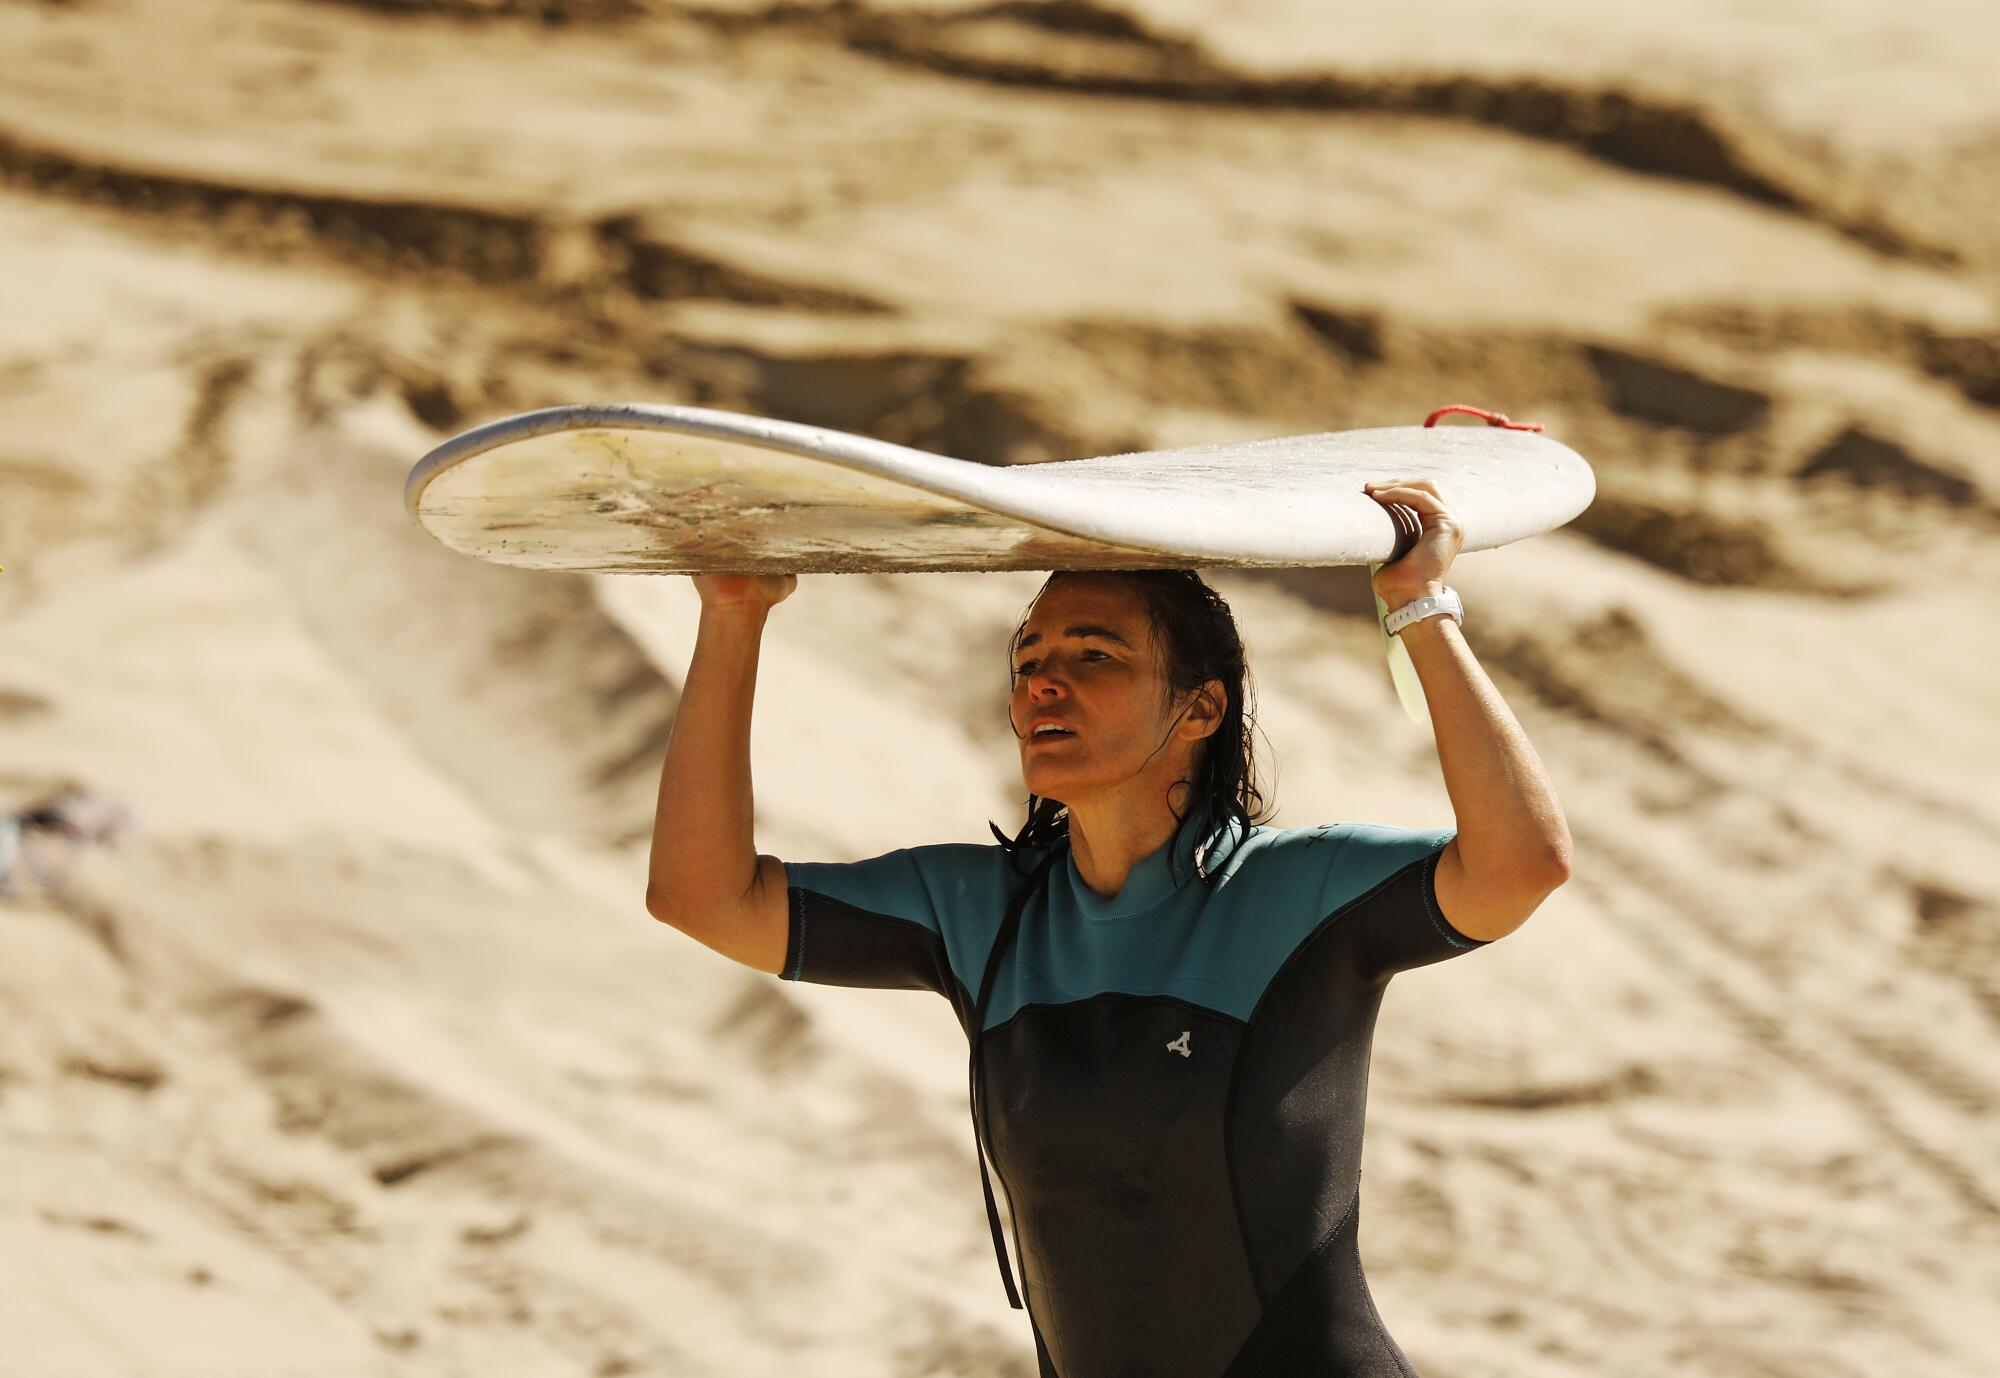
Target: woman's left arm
1513,845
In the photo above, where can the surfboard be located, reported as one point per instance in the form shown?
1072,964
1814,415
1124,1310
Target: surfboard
638,488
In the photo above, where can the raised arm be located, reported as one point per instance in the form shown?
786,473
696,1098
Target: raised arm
705,876
1513,846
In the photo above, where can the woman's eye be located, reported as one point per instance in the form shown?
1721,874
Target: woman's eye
1027,665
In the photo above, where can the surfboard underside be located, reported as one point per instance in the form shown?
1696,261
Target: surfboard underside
595,500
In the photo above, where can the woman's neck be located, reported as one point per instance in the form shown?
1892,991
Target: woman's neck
1108,845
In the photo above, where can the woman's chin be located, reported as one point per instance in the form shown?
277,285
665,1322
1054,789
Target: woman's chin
1063,786
1046,784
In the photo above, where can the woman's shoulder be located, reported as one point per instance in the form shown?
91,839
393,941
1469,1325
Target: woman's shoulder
984,864
938,885
1314,852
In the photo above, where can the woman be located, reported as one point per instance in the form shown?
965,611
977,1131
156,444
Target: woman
1169,1003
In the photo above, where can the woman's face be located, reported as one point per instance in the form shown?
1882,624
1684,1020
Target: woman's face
1086,660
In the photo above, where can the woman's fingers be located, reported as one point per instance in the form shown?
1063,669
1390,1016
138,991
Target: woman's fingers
1425,499
759,590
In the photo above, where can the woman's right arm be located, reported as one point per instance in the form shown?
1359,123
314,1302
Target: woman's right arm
705,876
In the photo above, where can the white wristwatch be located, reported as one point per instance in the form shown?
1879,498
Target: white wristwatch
1430,605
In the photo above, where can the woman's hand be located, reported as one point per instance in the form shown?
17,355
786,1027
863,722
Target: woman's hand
1424,563
756,592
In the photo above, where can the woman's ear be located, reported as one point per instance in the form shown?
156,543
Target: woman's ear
1207,707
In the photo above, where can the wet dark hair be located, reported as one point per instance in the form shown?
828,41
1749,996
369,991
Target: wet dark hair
1196,636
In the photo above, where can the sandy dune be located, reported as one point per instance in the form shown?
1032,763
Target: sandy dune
361,1054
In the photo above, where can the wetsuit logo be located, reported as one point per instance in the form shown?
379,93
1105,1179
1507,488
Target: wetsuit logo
1180,1045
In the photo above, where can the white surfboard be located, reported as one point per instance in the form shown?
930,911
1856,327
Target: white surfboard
638,488
633,488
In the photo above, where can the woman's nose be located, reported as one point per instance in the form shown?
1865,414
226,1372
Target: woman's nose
1038,690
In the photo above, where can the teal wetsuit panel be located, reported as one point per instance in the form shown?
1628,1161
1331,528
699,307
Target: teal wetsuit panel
1215,947
881,922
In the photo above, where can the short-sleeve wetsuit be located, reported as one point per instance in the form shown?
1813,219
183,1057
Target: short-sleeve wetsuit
1172,1080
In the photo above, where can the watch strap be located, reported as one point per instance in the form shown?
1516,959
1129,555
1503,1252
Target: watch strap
1447,603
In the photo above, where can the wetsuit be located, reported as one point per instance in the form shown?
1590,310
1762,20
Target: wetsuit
1171,1082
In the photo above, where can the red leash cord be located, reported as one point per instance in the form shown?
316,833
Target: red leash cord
1491,418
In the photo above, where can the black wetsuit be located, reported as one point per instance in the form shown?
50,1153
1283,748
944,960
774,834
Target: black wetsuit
1172,1081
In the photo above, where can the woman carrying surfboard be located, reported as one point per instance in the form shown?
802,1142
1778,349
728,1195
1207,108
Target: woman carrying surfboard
1169,1003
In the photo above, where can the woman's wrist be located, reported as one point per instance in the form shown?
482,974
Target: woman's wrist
1396,596
734,619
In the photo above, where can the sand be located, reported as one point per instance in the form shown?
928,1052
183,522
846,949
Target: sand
361,1055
